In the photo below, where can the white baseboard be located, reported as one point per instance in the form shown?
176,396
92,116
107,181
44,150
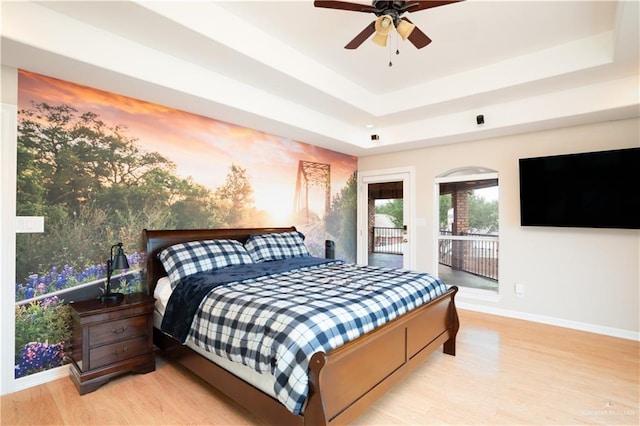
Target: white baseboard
41,378
559,322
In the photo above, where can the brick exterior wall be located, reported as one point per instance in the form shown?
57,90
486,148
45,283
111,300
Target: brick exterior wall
461,249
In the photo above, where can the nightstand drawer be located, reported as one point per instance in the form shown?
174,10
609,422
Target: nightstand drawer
117,330
116,352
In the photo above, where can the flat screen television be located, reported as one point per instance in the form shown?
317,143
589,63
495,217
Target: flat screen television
586,190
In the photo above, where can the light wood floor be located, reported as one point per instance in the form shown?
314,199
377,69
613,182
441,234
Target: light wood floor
506,372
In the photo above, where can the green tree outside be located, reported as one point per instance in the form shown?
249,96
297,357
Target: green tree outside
483,214
393,208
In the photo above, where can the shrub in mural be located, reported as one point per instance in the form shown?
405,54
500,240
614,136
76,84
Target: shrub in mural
100,179
43,333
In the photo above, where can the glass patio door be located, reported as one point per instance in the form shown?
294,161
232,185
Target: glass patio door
385,218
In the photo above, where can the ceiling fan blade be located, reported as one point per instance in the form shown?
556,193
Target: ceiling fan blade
343,5
417,37
360,38
414,6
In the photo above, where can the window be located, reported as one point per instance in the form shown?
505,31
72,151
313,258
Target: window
468,237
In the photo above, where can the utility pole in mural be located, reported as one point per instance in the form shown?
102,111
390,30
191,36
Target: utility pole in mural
312,174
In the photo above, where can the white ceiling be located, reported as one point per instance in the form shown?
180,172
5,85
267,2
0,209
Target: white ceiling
280,66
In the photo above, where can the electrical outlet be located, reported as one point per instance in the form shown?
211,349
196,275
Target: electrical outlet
519,289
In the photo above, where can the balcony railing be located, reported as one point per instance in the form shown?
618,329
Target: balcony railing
473,253
387,240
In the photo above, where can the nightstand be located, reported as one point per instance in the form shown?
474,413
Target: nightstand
110,339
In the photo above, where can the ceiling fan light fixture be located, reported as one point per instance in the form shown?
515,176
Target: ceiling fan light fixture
379,39
388,16
405,29
383,26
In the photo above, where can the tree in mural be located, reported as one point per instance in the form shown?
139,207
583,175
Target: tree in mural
92,184
233,201
75,158
342,217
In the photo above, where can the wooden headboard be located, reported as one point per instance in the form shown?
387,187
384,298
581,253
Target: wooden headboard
154,241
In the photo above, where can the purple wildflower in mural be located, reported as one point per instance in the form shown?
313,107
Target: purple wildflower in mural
37,356
29,292
50,302
38,324
67,277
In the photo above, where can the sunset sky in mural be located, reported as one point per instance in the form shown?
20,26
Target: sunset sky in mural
201,147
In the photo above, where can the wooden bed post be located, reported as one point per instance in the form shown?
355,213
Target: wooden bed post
314,411
449,346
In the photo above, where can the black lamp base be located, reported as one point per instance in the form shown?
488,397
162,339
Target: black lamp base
111,297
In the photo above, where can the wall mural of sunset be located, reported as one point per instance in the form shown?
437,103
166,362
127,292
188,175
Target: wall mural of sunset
100,167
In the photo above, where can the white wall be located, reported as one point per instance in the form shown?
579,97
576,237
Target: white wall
8,156
581,278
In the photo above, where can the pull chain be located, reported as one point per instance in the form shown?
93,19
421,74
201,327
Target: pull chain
397,51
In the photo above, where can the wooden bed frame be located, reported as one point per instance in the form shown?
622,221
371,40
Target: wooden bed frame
344,382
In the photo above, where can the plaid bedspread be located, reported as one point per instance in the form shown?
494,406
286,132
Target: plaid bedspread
275,323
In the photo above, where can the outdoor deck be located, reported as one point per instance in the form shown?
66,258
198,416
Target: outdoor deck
385,259
461,278
445,273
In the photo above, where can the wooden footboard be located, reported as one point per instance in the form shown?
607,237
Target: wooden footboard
347,380
344,382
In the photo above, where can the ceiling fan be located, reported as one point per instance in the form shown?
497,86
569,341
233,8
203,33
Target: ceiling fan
389,16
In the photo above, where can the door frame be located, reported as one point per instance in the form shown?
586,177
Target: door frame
8,172
407,176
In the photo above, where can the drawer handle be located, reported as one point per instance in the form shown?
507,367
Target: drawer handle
115,351
114,331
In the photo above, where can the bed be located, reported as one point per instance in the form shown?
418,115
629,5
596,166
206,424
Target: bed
342,382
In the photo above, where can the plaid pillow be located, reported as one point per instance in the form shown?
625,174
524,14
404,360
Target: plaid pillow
265,247
182,260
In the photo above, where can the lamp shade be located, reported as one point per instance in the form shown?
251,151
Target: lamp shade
405,29
115,262
120,260
383,26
